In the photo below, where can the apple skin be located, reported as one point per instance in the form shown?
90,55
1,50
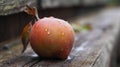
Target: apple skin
52,38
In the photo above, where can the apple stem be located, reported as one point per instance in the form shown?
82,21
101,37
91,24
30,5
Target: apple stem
36,14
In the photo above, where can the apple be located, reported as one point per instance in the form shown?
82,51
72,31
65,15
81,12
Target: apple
51,38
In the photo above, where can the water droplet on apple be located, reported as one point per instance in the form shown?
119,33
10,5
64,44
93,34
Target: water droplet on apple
48,32
51,17
63,33
46,29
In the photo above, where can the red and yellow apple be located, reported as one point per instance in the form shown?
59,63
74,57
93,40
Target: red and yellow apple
51,38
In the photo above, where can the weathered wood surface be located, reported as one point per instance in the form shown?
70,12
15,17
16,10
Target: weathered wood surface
115,54
8,7
14,6
69,3
91,48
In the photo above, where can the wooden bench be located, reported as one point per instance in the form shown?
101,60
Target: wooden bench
91,48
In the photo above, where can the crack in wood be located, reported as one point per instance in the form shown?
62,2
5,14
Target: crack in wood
32,62
97,57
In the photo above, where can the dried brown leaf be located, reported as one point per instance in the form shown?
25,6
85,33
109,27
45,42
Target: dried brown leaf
31,11
25,35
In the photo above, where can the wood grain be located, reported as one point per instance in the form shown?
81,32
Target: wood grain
91,48
10,7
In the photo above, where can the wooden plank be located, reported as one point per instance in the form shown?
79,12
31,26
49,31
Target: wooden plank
69,3
91,48
10,7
